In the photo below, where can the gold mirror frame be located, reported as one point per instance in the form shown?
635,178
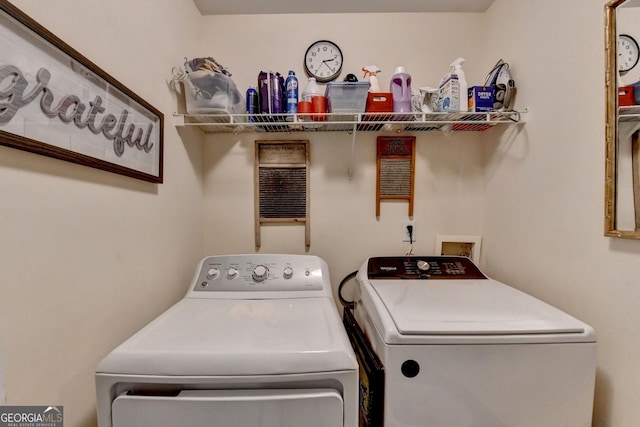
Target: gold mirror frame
611,130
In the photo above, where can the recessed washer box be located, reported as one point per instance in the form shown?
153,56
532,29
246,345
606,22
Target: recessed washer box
459,245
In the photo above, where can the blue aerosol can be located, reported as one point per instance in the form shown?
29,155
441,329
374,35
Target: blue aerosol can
253,103
291,85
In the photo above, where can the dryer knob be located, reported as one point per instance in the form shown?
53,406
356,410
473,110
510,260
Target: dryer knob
260,273
213,273
288,272
232,273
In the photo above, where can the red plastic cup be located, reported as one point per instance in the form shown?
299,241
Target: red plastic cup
304,108
319,107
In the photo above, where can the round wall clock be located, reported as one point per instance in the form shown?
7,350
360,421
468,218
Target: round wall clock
628,52
323,60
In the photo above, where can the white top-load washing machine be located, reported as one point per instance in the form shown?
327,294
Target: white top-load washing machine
461,350
256,341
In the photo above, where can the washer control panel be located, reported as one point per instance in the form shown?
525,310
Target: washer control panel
422,268
258,272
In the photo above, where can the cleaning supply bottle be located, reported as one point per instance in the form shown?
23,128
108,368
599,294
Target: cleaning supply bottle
277,87
271,88
456,68
291,85
253,103
400,88
370,72
311,89
314,94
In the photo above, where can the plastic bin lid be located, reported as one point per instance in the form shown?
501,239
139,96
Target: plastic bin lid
349,84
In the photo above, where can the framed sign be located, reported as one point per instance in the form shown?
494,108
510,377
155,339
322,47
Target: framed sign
56,102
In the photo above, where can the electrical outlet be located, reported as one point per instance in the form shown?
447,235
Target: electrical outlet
405,231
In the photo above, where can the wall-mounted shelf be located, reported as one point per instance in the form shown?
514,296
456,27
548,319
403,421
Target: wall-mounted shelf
348,122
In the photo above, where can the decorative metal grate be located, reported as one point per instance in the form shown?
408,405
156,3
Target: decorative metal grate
395,177
282,184
395,170
283,192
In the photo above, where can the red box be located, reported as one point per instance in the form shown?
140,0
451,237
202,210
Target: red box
379,102
626,96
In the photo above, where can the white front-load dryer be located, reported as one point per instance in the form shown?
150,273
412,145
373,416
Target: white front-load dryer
256,341
462,350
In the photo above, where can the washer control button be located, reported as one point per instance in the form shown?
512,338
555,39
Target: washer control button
288,272
260,273
213,273
423,265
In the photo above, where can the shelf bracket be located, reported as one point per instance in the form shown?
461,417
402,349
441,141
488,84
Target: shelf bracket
628,129
353,151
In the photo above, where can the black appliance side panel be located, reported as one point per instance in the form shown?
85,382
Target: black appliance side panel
371,382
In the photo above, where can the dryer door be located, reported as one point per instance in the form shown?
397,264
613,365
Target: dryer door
221,408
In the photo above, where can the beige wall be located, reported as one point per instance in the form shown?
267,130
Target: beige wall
543,224
88,257
77,274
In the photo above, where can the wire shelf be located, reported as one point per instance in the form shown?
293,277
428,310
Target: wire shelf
629,113
347,122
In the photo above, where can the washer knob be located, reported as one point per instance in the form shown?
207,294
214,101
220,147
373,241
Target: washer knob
213,273
288,272
232,273
260,273
423,265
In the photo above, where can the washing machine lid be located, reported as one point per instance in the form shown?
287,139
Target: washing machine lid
223,337
476,308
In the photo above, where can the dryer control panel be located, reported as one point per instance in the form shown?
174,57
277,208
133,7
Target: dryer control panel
423,267
261,273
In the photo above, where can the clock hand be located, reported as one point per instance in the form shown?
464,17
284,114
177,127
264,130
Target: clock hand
327,65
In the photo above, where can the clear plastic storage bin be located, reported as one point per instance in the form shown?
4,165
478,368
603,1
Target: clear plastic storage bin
207,92
347,97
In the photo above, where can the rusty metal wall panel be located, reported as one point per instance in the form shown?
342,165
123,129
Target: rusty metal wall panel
395,177
283,192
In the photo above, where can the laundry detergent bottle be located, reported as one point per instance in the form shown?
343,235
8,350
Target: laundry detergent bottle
400,88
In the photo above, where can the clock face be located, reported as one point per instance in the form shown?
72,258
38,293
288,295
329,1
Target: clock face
323,60
628,53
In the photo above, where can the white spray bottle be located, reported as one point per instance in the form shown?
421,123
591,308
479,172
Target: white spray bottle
370,72
456,68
